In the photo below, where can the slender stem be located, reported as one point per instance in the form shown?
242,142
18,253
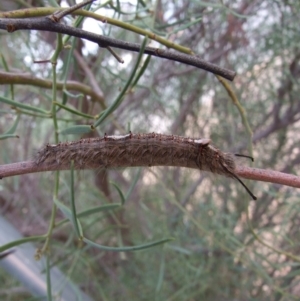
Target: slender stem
120,96
58,49
241,110
48,274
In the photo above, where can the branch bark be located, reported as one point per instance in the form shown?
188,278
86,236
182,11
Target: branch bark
263,175
8,78
47,24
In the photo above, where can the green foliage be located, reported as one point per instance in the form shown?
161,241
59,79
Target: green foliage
225,246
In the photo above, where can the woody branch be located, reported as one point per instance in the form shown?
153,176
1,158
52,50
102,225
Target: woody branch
48,24
271,176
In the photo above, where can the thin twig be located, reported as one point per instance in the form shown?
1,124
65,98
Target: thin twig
271,176
46,11
26,79
56,17
93,82
115,55
46,24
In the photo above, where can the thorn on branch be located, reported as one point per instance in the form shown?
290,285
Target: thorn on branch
115,55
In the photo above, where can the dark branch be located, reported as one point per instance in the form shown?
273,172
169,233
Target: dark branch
46,24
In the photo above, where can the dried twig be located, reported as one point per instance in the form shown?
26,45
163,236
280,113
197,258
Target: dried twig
46,24
56,17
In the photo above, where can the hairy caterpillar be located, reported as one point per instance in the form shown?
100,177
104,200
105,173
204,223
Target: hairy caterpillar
140,150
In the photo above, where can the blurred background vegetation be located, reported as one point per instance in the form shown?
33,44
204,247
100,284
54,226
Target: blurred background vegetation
214,255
